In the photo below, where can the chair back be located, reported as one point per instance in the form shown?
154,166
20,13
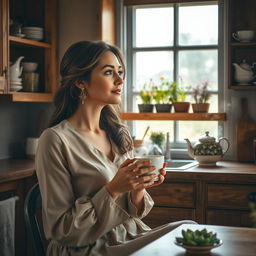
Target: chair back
33,203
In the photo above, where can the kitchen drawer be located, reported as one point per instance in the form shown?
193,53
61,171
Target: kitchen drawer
229,196
174,194
228,218
162,215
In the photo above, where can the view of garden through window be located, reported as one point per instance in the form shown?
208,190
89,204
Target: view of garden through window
186,52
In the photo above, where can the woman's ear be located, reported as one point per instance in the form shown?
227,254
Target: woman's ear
81,84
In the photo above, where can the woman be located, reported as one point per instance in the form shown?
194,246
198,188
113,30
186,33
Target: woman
92,188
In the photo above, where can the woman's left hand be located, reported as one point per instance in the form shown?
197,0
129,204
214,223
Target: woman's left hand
161,177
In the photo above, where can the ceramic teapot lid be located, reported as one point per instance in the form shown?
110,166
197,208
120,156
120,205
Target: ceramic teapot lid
207,138
245,65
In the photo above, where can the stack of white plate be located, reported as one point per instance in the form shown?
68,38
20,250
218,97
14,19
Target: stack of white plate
34,33
16,85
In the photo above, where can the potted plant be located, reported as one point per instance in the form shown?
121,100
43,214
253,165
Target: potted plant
201,97
161,96
178,97
146,98
157,139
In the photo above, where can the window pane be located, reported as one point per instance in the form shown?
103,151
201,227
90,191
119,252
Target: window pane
154,27
195,129
155,126
196,66
152,65
198,25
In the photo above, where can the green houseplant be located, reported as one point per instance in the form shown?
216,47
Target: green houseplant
158,139
161,96
178,97
146,98
201,96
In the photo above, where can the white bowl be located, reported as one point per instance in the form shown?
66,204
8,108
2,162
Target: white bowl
16,88
29,66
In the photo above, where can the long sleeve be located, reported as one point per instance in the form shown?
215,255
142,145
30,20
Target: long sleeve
71,221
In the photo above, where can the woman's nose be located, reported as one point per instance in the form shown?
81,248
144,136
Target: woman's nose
118,79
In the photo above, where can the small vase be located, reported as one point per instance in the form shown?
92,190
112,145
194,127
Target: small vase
200,107
145,108
160,108
181,107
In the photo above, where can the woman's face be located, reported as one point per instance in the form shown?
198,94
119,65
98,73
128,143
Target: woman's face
106,82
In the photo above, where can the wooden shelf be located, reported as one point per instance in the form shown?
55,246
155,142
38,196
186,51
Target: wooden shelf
27,97
175,116
243,87
244,44
28,42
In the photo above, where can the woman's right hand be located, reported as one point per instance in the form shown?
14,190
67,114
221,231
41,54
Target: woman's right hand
128,177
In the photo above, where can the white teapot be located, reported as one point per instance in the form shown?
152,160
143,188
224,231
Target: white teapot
243,72
16,69
207,151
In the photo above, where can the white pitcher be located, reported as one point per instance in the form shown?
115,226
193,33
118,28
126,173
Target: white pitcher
16,69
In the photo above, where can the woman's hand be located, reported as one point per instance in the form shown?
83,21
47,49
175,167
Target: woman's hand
130,177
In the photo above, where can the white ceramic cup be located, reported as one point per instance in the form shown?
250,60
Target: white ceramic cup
31,147
244,35
155,160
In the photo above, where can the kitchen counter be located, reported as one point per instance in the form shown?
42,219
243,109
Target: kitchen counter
240,172
209,195
15,169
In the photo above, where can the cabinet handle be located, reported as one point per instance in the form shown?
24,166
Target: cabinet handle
252,197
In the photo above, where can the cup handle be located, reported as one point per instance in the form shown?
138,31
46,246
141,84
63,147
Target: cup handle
235,36
222,138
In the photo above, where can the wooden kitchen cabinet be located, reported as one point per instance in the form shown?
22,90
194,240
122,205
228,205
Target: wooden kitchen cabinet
40,13
216,196
16,178
241,16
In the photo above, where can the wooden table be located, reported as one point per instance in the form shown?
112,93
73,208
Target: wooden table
236,242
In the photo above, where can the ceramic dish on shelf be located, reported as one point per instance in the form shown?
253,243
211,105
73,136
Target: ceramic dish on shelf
16,88
19,35
199,250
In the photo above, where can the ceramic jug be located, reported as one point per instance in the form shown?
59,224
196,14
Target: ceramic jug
243,72
207,151
16,69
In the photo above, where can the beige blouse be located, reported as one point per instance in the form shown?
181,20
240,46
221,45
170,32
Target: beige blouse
79,215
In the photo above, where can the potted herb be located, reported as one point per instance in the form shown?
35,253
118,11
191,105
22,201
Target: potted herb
158,139
178,97
161,96
201,97
146,98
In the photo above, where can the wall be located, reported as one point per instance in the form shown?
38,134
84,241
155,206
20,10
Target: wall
77,20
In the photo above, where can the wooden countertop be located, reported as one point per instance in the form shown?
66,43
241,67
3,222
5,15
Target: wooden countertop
241,172
15,169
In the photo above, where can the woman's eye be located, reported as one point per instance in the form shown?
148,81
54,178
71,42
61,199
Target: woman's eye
109,72
120,73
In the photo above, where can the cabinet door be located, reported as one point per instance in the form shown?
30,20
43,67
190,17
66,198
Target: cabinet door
162,215
3,43
107,21
228,218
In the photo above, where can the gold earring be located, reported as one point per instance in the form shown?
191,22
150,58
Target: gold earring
82,96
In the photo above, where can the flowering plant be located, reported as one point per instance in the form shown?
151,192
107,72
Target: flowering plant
178,93
162,92
200,93
146,93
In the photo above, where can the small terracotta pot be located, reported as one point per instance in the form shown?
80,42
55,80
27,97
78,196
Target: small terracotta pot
160,108
200,107
145,107
181,106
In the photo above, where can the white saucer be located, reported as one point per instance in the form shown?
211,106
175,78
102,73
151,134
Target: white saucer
16,88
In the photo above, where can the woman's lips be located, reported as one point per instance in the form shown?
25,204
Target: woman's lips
117,91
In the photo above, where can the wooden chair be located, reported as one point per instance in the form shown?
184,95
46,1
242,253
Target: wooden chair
33,204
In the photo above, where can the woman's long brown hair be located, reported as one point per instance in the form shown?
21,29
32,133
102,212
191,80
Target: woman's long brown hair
76,66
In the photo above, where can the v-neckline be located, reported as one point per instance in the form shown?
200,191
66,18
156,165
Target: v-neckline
91,144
